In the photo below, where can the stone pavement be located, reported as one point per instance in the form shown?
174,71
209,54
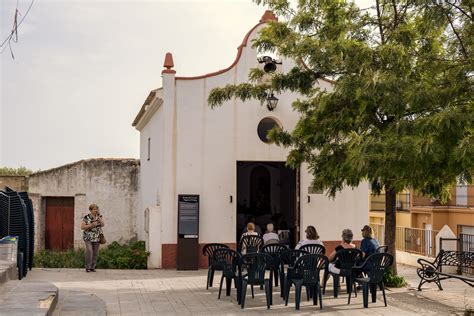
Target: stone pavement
27,297
152,292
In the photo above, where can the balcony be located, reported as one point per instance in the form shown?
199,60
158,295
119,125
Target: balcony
377,202
462,196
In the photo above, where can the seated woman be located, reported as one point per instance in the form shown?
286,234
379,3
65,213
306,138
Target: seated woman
256,228
312,237
270,237
250,232
346,243
368,245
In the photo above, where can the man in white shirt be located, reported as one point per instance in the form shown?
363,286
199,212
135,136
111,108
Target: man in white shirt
270,236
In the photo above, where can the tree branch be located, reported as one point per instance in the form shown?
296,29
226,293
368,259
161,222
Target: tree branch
457,35
395,13
379,18
460,9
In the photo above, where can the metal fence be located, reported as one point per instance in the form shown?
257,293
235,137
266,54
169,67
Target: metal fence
466,243
412,240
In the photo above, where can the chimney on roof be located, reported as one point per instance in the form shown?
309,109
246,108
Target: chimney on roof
168,64
269,16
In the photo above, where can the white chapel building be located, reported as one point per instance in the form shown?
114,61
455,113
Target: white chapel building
204,173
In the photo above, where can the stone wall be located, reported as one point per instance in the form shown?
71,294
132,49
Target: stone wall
17,183
112,184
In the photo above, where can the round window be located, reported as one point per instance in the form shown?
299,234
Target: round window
265,126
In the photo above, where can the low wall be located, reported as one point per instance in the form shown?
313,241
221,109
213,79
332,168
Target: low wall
410,259
8,270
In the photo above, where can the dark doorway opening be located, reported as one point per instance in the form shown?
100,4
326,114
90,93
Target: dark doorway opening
59,233
266,193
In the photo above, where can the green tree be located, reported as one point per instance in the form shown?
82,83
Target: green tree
21,171
400,114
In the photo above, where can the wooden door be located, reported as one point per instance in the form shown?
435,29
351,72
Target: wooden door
59,234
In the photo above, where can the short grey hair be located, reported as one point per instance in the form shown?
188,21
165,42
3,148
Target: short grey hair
347,235
270,227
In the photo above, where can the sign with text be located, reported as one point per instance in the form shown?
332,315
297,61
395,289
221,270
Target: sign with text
188,216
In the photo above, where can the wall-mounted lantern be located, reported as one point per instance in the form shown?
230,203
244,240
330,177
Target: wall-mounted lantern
272,102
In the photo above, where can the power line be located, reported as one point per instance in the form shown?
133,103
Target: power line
14,30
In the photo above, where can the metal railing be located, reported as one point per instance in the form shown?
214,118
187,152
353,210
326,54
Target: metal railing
466,243
461,196
411,240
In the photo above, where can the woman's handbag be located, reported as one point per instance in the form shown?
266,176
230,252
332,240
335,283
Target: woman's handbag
102,239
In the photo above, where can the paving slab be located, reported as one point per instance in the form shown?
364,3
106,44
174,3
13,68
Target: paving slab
171,292
77,303
28,298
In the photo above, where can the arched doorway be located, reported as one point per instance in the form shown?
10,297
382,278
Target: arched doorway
260,190
266,192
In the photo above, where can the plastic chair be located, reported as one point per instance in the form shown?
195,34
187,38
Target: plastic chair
288,258
314,249
254,265
347,259
382,249
284,236
306,272
250,244
229,261
275,251
374,268
208,251
20,264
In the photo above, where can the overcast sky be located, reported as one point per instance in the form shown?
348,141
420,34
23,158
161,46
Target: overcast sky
83,68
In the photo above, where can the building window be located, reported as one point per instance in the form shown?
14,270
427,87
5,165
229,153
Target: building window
265,126
149,145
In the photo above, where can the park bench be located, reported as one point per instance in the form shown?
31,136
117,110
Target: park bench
433,271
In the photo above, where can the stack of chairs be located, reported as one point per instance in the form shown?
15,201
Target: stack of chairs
31,222
16,219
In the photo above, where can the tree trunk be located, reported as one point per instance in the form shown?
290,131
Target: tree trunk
391,224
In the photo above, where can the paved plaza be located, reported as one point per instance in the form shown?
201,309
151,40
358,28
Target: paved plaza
152,292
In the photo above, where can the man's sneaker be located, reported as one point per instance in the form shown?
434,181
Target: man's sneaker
88,270
92,270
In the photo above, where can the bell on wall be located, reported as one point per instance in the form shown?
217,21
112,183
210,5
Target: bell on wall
270,63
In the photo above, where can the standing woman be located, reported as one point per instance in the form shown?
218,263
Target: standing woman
92,225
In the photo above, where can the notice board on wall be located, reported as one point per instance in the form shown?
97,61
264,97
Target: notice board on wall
188,216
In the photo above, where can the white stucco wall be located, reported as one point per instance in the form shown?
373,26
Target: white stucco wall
202,146
110,183
151,171
349,209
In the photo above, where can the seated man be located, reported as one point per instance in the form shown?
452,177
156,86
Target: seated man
270,237
368,245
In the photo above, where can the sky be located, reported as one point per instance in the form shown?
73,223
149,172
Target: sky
83,68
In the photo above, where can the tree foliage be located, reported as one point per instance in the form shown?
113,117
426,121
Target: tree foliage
21,171
400,113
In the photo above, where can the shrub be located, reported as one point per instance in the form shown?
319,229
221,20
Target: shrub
65,259
117,256
114,256
391,280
